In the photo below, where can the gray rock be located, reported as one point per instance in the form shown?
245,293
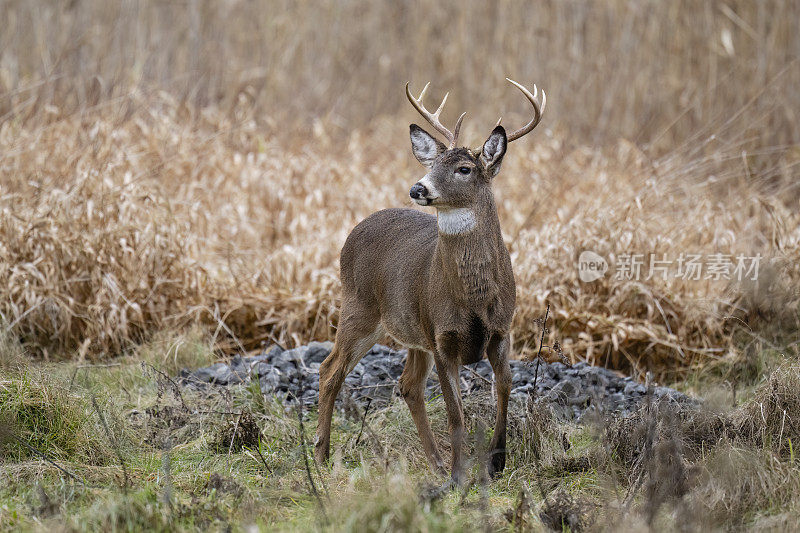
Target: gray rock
260,369
238,364
566,389
274,352
202,375
378,349
269,381
223,375
634,388
295,355
317,352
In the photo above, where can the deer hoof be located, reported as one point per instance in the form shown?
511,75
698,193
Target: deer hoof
438,466
497,463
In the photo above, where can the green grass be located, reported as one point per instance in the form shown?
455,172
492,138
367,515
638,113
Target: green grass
181,476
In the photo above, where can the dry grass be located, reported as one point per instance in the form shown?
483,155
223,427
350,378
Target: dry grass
770,418
712,468
648,71
183,187
162,220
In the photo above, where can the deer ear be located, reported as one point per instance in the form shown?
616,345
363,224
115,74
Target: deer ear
425,147
493,151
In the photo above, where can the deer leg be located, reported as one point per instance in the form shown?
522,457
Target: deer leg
355,336
447,364
412,387
497,352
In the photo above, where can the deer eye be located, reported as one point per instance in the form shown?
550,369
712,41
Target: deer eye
464,170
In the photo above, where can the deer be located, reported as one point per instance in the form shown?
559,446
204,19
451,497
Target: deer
441,285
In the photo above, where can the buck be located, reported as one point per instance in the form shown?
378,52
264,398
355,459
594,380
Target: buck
440,285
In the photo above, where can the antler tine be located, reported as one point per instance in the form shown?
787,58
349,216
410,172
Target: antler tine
457,128
538,110
422,92
433,118
441,106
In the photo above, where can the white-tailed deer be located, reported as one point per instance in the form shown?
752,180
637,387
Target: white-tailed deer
440,285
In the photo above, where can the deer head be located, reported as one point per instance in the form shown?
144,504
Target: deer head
456,176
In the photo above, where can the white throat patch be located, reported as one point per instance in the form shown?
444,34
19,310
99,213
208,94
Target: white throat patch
456,221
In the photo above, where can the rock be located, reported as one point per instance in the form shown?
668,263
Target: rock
317,352
582,367
237,364
269,380
572,392
274,353
565,390
634,388
266,356
295,355
260,369
201,375
223,375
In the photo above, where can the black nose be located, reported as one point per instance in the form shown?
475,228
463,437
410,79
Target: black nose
418,191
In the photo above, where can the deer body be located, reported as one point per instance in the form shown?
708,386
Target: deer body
440,285
415,279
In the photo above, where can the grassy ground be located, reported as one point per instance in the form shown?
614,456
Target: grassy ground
231,458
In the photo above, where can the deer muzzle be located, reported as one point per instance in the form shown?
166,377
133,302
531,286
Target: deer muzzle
419,193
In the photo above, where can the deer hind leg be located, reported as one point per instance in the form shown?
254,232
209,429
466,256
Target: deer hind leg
357,332
497,353
412,387
447,365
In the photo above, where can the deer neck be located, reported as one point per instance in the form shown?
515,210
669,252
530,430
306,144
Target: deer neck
468,247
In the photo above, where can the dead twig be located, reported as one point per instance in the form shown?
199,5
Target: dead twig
304,452
233,438
303,448
261,456
539,353
176,389
532,399
474,373
363,420
47,458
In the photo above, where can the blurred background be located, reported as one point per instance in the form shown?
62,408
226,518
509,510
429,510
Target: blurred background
649,71
174,164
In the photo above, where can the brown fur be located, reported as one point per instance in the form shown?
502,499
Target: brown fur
449,298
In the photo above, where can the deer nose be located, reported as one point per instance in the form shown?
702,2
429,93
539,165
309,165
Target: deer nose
418,191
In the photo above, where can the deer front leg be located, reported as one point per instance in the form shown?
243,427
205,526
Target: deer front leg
412,387
497,352
447,364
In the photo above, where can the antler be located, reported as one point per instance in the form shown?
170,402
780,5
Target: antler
433,118
538,110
